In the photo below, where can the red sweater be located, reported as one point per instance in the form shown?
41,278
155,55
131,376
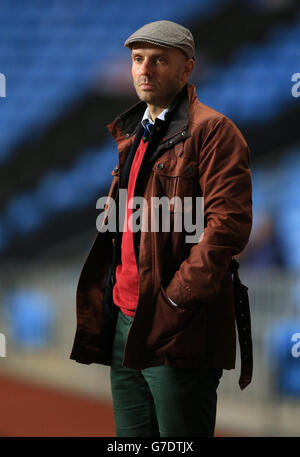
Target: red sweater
126,288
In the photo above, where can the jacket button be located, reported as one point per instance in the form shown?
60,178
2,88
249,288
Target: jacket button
183,133
171,142
160,166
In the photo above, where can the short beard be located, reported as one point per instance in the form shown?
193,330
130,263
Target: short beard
157,100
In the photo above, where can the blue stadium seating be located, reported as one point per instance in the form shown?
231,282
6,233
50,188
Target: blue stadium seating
55,63
51,39
59,191
30,316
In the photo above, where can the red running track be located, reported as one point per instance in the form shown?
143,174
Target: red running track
29,409
32,410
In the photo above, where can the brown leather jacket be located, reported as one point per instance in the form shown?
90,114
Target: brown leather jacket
202,153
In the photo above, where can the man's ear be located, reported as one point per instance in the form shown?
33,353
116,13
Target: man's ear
188,68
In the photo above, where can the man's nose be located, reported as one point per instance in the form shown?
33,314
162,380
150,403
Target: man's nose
146,68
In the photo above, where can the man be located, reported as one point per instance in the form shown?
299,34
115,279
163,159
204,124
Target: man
156,308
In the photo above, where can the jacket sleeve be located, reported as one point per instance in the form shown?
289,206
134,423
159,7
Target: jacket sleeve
225,181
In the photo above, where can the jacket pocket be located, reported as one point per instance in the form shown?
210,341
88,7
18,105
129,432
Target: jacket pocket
171,308
168,321
175,179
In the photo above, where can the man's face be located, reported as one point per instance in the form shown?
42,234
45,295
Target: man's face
158,73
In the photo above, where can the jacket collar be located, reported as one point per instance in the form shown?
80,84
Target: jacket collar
125,125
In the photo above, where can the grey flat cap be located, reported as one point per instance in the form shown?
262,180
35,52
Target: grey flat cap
167,34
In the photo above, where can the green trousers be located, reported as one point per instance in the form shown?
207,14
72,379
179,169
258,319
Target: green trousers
162,400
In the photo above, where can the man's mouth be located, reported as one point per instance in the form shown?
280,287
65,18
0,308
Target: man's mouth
146,86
